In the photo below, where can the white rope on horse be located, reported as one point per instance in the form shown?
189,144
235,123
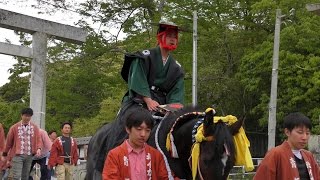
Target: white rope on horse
158,147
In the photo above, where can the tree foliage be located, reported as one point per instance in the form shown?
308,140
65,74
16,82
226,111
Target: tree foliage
298,66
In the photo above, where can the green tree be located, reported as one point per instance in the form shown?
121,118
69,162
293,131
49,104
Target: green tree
10,113
298,65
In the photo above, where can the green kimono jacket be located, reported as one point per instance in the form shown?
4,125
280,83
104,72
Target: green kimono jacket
139,79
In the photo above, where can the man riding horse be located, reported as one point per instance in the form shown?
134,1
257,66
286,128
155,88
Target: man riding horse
153,75
154,78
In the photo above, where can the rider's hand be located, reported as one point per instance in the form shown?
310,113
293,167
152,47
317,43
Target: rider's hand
152,105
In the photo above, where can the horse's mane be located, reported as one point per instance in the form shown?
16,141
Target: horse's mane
171,119
166,125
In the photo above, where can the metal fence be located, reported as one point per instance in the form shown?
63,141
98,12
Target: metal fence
238,172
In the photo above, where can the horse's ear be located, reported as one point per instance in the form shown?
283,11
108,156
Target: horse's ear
234,128
208,117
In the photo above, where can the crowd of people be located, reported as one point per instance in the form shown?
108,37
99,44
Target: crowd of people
26,145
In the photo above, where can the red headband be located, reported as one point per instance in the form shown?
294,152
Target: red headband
161,37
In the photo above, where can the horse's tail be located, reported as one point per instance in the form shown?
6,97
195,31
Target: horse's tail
96,152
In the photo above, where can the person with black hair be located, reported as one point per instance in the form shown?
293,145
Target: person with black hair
23,142
153,75
64,154
134,159
52,135
290,160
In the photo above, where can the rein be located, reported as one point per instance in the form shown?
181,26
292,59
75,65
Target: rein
160,150
199,171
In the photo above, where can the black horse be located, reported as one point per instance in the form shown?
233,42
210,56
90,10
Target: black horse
216,155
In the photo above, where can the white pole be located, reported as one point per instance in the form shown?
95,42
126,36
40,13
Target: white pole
274,83
194,64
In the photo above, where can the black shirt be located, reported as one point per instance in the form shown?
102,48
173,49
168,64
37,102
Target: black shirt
66,144
302,168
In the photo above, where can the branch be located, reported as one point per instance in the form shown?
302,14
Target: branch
121,27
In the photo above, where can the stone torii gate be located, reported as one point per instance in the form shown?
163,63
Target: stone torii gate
40,30
315,8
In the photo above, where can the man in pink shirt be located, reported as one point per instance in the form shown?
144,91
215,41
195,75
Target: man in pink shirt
23,141
134,159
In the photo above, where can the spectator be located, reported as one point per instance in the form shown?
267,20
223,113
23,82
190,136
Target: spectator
52,135
134,159
24,141
64,154
289,160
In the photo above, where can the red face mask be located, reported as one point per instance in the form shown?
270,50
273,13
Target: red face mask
162,36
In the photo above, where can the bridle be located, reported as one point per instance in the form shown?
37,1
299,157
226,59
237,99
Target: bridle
195,151
209,138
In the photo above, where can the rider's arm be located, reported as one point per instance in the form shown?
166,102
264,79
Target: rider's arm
176,95
138,84
137,80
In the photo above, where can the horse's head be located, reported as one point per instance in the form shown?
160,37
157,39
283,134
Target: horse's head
217,152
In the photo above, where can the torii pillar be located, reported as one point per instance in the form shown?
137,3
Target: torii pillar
40,30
